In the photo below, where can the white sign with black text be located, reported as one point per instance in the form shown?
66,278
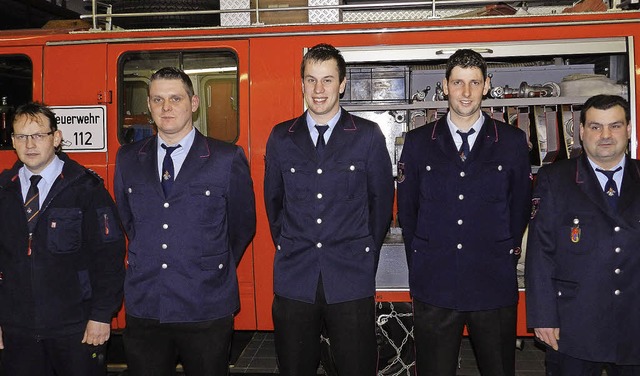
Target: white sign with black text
84,128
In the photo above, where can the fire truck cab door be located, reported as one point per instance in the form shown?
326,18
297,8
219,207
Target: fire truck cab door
76,76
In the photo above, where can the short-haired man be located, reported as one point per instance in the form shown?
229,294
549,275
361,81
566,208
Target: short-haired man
464,191
61,256
328,190
188,208
583,255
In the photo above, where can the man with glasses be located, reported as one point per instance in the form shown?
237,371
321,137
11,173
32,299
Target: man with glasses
61,256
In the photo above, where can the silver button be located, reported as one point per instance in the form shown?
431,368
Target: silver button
617,271
279,248
165,226
207,193
166,205
319,245
459,246
617,292
164,266
293,170
352,168
319,171
617,250
576,221
499,167
129,190
559,293
461,197
460,222
164,246
616,229
366,249
462,174
428,168
511,251
319,195
319,220
220,266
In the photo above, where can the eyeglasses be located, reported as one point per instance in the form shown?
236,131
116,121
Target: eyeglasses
36,137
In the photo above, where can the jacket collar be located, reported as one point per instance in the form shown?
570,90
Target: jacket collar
343,131
487,136
70,171
196,157
586,179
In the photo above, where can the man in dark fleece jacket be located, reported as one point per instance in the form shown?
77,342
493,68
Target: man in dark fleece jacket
61,256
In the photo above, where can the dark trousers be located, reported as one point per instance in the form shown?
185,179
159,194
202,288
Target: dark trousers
152,348
350,327
558,364
25,355
438,334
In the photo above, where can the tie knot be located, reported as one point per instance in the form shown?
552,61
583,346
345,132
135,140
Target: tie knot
321,129
170,149
609,173
35,179
466,135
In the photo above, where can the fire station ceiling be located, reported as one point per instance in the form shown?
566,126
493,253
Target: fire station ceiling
26,14
20,14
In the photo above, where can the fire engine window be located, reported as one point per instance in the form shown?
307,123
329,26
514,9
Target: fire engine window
214,75
16,83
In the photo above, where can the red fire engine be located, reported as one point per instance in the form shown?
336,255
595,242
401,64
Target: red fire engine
246,71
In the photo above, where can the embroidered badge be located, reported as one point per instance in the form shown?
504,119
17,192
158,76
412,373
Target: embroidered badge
400,177
576,231
535,205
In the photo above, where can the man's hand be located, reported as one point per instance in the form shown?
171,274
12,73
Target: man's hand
97,333
1,342
550,336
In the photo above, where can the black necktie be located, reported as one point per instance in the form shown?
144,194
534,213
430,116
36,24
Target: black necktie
464,148
610,187
168,175
320,143
32,202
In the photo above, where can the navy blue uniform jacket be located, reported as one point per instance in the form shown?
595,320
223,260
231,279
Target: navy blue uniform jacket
184,248
589,287
462,221
328,215
76,268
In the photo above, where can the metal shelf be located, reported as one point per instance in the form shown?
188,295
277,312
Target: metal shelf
511,102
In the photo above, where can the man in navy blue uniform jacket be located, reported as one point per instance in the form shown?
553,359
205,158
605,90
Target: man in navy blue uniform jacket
329,209
61,256
463,199
185,239
583,253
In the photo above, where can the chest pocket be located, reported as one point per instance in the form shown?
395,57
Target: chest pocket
298,180
435,180
495,181
64,230
207,203
354,175
577,234
138,195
